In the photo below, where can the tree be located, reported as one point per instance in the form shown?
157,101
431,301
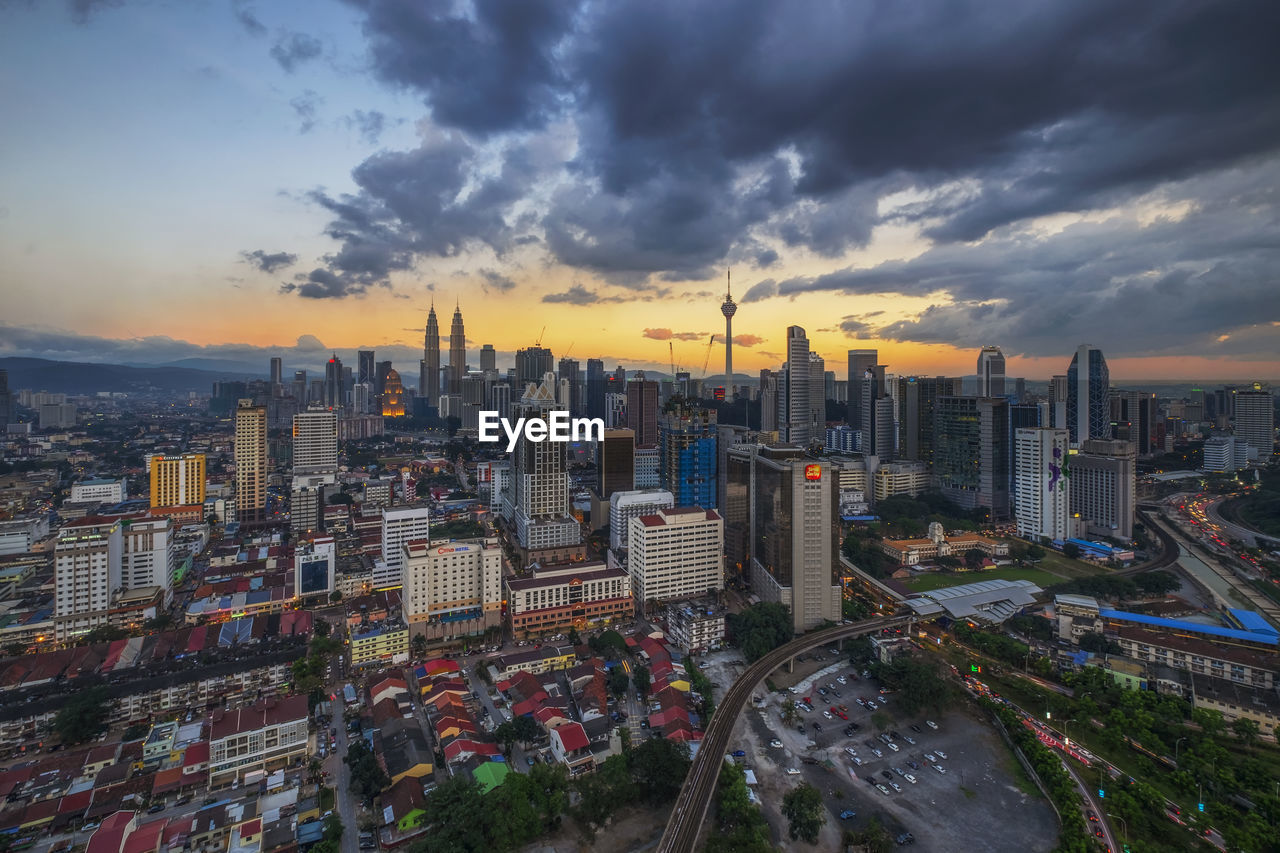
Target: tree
874,838
505,734
1071,550
618,681
1245,729
973,559
659,766
13,650
103,634
333,828
1035,552
322,628
788,711
419,643
802,807
760,628
526,728
159,622
335,596
641,679
458,818
368,779
84,716
574,637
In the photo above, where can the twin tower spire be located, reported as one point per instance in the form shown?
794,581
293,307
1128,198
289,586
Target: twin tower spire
429,384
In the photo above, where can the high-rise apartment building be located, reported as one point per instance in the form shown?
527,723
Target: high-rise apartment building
88,564
817,396
149,557
1042,505
540,483
676,553
991,372
177,480
971,452
624,506
1255,422
1088,395
1134,415
429,379
768,401
1103,487
795,535
6,399
457,351
860,361
315,447
488,359
277,372
642,410
251,461
917,399
452,589
1058,402
399,527
687,454
794,403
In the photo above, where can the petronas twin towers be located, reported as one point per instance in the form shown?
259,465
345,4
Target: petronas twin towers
429,385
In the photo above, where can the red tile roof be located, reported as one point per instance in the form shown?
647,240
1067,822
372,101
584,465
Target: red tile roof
572,736
268,712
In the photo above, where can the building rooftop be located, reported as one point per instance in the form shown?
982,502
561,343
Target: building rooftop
1191,627
991,601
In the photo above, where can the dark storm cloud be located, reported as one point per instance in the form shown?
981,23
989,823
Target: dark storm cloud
710,132
292,49
488,71
269,262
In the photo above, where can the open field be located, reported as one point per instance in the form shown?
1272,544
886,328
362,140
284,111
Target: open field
937,580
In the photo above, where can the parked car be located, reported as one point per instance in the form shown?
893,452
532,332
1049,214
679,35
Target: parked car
931,724
939,753
792,771
775,743
738,753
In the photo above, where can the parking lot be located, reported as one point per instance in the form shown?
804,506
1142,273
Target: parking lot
971,800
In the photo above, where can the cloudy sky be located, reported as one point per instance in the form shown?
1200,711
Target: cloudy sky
231,178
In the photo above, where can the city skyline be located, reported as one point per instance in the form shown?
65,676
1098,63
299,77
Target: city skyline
238,181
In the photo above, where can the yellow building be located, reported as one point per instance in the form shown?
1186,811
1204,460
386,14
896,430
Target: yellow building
177,480
381,642
392,395
251,460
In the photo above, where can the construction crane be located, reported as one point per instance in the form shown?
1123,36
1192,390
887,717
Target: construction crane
569,350
672,348
707,361
538,342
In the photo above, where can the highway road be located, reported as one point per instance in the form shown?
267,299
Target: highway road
690,812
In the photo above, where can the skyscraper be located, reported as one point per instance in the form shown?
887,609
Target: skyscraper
687,455
595,388
365,366
642,410
251,461
6,399
315,447
88,573
540,484
1255,420
793,395
532,364
795,534
488,359
917,399
860,361
333,382
457,351
300,388
569,372
817,396
728,308
991,372
1102,487
768,401
616,463
1088,395
277,372
1058,401
1042,503
429,380
971,452
392,395
399,527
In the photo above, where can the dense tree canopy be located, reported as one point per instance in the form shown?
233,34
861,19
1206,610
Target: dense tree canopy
802,807
760,628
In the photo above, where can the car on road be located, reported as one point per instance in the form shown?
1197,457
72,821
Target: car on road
156,809
931,724
775,743
791,771
528,759
848,814
1093,817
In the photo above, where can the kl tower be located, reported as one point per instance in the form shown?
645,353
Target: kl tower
728,308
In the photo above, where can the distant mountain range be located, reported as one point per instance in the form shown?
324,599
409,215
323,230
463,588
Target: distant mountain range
70,377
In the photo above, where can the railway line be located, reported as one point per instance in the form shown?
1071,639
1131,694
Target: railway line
690,812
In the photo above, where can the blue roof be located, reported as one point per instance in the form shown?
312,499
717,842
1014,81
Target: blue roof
1252,622
1194,627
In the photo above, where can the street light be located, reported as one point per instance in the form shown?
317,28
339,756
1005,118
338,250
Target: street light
1175,750
1066,739
1123,823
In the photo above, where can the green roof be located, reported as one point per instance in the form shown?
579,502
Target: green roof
490,775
